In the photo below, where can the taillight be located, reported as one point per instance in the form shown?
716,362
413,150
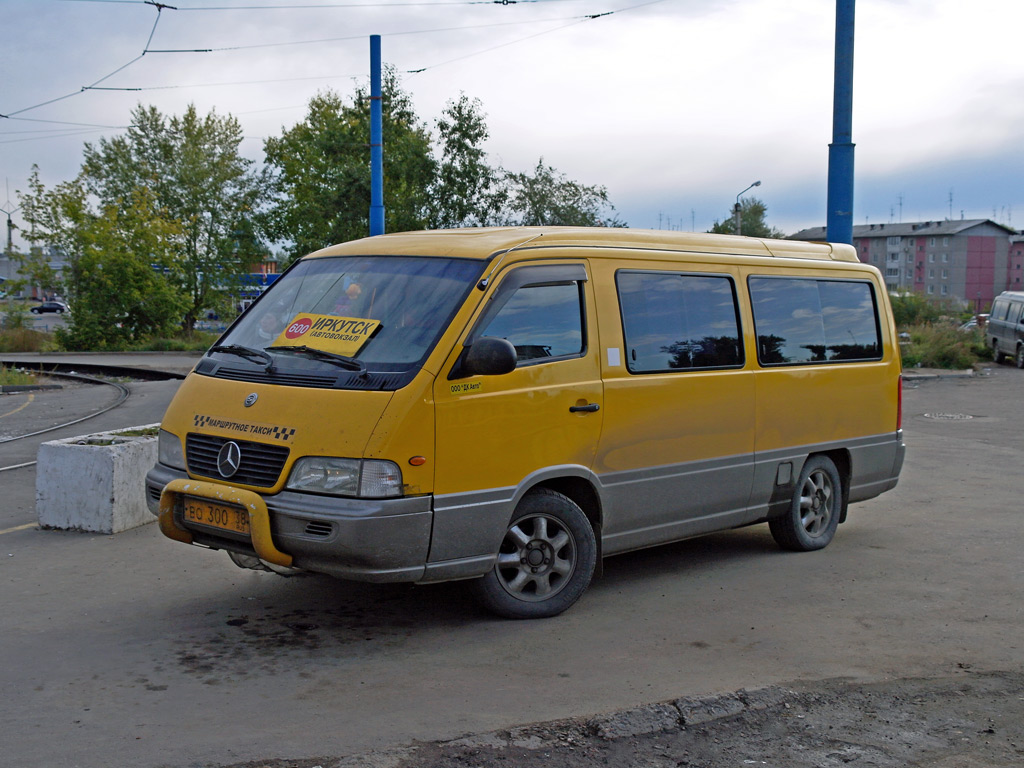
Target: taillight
899,402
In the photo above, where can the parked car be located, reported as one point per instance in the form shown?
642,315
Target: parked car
50,306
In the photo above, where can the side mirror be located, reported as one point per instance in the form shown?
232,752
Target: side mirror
489,356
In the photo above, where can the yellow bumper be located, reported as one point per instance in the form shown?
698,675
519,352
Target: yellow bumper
259,518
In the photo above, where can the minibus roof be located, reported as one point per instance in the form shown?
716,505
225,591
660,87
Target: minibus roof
486,242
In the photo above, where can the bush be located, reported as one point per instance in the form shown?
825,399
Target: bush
25,340
942,345
914,309
15,377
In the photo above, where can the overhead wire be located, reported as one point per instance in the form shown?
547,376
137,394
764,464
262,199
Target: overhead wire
573,21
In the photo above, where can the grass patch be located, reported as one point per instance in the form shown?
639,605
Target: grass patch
144,432
197,341
942,345
15,377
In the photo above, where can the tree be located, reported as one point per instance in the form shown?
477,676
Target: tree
752,223
321,170
198,183
467,190
116,260
548,197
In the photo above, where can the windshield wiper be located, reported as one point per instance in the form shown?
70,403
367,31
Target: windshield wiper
342,361
247,352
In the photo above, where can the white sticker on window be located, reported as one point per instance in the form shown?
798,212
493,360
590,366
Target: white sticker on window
614,360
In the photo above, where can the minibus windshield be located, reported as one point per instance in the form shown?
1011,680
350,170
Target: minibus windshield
380,313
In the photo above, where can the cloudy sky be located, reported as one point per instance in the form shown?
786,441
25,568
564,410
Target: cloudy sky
674,105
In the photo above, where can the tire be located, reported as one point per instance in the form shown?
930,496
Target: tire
546,559
812,518
1019,357
997,356
34,311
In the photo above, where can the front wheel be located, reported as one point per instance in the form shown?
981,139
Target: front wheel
813,515
1019,357
545,562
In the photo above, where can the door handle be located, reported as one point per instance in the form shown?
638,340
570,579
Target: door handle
588,408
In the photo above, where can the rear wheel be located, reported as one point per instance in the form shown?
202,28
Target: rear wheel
998,356
545,562
813,515
1019,357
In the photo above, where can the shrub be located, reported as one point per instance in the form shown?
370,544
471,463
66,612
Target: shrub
942,345
25,340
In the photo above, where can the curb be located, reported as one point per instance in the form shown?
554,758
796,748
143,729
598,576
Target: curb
10,389
931,374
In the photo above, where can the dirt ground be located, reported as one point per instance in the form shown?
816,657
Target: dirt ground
970,720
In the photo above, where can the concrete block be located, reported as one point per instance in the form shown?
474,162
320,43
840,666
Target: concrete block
95,482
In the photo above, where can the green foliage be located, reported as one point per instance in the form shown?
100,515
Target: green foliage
942,345
321,170
752,221
15,377
467,191
15,316
119,291
548,197
200,185
111,279
915,309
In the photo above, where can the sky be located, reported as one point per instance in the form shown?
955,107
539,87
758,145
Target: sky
674,106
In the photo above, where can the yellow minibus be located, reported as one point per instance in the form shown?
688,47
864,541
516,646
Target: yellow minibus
511,405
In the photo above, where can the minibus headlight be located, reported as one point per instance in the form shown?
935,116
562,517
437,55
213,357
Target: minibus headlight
168,448
370,478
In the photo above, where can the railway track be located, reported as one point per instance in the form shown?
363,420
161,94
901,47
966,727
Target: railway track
99,376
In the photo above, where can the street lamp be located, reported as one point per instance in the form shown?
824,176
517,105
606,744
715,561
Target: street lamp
736,210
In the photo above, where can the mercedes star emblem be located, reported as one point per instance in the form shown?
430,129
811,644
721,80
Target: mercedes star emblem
229,459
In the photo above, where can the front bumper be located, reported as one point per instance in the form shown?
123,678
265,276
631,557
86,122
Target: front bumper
362,539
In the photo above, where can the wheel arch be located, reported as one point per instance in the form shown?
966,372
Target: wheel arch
577,484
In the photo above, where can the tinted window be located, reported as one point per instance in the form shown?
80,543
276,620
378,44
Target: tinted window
678,322
541,321
999,309
814,321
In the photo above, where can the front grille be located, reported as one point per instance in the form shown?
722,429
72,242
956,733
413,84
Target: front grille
261,464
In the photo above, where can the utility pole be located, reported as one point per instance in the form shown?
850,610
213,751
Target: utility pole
840,151
10,224
376,141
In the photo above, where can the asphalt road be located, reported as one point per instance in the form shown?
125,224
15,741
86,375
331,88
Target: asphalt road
135,650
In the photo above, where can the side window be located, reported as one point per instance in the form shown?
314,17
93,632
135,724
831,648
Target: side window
541,321
803,321
675,322
1014,314
999,309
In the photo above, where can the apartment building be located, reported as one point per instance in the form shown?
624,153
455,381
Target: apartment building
970,260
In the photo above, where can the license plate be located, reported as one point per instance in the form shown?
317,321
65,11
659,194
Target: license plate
216,515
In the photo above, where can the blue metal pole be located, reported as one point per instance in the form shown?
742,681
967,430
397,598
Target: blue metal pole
376,142
840,151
